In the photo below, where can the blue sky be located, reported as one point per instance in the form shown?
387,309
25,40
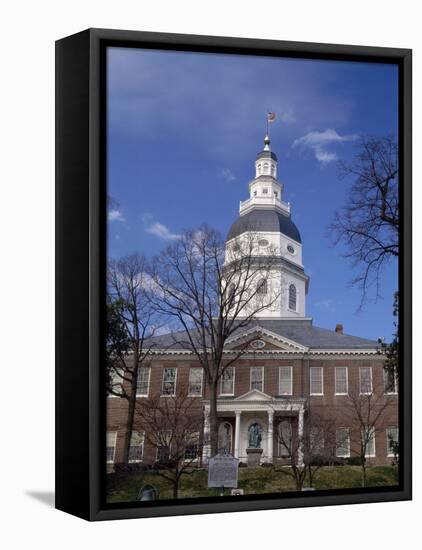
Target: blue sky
183,131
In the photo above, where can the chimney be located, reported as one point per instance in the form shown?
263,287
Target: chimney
339,328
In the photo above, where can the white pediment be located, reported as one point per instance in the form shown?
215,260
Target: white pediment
253,395
262,334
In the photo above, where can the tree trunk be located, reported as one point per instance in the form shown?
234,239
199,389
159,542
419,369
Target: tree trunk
213,418
130,415
363,473
176,486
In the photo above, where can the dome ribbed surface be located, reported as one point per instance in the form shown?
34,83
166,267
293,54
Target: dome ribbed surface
264,220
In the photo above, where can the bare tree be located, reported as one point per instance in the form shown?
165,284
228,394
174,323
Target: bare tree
368,223
172,426
307,453
212,293
130,327
366,411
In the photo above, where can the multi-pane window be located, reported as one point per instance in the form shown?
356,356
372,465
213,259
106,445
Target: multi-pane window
111,446
192,448
136,449
285,380
169,381
342,442
368,441
142,383
285,438
195,381
227,382
365,380
292,298
257,378
341,380
316,381
163,446
392,440
390,381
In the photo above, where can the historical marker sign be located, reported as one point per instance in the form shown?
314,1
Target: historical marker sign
222,471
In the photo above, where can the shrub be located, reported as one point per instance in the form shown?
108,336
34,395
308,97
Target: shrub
354,461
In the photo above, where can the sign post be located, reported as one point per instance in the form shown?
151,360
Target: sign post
223,472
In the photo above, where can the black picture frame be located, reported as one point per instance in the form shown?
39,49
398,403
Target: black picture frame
80,270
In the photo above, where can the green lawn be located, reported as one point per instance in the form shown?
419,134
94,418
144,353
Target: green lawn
124,487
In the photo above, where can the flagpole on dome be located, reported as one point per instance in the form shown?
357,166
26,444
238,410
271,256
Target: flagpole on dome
269,119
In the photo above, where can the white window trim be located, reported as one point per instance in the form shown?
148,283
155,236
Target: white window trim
193,460
162,383
348,442
360,381
347,381
202,382
367,455
221,383
389,454
250,377
291,380
288,297
114,448
395,392
149,381
322,381
142,446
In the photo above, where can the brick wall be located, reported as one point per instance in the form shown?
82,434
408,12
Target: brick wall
329,406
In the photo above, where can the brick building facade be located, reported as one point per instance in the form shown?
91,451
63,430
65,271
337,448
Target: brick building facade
292,371
284,380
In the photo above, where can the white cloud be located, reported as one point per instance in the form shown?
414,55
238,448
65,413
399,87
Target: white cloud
115,216
288,116
227,174
160,230
319,141
241,91
326,304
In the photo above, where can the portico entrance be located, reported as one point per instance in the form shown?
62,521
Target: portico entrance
248,421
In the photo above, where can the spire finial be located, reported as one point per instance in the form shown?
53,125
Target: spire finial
267,143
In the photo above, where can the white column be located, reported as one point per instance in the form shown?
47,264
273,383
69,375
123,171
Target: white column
270,435
300,436
237,435
206,449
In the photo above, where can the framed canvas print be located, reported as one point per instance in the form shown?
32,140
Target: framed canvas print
233,274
